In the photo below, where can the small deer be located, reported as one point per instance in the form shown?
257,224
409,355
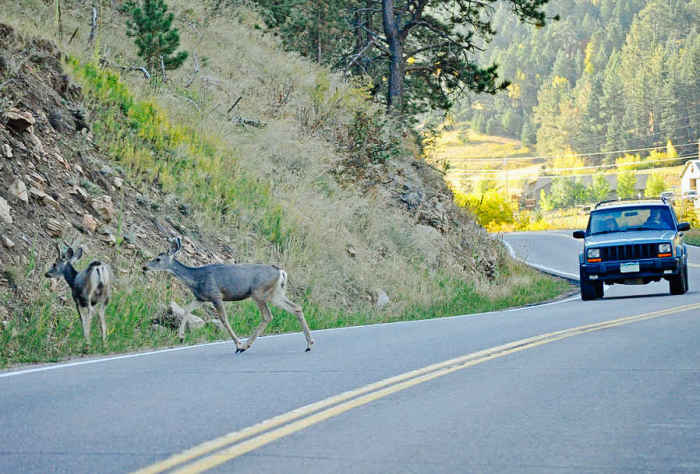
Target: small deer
224,282
90,288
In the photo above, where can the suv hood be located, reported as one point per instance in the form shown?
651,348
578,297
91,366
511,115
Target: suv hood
630,237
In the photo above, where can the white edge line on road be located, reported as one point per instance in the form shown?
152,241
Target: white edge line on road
539,267
104,359
66,365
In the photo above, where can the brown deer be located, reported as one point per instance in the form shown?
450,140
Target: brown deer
90,288
224,282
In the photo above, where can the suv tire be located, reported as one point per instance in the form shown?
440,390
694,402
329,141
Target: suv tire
590,290
678,285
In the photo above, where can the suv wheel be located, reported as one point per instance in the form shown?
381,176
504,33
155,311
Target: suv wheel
678,285
590,290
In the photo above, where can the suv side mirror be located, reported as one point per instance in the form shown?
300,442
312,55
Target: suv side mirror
683,226
579,234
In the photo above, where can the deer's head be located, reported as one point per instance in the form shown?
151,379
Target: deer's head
63,259
164,260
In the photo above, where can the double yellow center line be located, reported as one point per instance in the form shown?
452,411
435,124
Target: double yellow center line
225,448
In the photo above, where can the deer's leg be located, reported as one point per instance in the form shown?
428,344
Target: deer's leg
266,318
83,322
219,305
281,301
87,322
103,323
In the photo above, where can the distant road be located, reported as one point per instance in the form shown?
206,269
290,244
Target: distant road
609,386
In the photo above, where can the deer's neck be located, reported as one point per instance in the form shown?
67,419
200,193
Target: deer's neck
69,273
183,273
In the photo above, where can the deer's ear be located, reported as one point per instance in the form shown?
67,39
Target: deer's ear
78,255
175,245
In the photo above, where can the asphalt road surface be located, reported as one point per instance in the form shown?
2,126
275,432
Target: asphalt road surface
611,385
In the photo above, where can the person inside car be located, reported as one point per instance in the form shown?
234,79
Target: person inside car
657,220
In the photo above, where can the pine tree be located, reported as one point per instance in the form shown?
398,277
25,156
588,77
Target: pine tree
156,39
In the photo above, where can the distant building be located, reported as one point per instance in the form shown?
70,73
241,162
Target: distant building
690,178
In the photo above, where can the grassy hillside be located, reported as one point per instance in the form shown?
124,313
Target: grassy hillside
303,172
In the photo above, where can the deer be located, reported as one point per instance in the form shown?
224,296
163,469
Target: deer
216,283
90,288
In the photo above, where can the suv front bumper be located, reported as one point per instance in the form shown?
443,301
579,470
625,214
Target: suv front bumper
652,268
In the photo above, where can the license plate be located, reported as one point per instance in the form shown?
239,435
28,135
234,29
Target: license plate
631,267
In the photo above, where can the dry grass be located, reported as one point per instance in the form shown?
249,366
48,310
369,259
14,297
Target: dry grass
307,111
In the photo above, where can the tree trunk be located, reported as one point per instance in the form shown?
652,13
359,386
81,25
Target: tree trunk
396,68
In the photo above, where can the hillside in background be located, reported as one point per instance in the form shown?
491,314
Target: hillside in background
610,75
250,153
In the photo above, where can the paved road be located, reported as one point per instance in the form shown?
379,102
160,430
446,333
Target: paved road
512,391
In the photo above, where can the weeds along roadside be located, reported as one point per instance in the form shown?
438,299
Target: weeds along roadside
47,331
157,151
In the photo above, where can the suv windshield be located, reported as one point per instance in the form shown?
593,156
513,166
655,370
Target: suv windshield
630,218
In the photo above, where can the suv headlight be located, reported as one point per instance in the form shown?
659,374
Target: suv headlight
593,253
665,248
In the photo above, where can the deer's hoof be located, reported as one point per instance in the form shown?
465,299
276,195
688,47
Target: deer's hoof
308,349
240,349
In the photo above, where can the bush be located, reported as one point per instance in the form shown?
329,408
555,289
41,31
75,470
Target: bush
492,209
655,185
626,182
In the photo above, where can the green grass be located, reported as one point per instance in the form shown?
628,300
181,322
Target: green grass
692,237
180,160
48,332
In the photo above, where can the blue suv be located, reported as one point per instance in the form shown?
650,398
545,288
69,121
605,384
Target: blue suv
632,242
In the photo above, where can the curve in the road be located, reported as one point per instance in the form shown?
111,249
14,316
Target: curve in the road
244,441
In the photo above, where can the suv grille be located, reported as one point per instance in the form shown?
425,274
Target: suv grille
628,252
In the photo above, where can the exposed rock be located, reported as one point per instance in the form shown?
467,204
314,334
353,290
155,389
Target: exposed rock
35,180
104,208
19,190
108,239
7,242
118,182
89,222
18,120
175,316
80,192
55,227
41,196
351,251
61,160
5,215
412,198
38,146
381,299
6,150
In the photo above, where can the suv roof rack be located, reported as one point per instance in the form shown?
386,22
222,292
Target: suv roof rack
611,202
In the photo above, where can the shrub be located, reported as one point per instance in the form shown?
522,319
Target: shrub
655,185
492,209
